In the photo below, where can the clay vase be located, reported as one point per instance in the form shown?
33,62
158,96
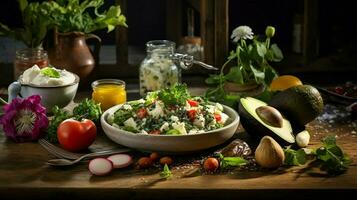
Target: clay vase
71,52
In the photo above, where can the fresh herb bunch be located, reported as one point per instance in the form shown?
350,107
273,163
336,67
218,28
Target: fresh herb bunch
250,62
329,157
175,95
35,24
75,15
87,109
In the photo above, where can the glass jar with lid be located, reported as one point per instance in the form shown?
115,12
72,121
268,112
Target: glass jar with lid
26,58
158,70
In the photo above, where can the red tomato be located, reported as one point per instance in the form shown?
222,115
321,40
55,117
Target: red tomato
142,112
217,117
75,136
192,103
155,132
191,114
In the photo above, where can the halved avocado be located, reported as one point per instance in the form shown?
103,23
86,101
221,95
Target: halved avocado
255,126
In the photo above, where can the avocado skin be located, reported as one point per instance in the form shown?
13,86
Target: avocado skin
256,129
300,104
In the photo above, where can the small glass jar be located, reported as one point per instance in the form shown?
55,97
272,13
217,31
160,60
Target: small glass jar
26,58
158,70
108,92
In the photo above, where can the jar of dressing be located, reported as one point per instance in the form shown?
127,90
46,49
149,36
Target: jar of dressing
158,70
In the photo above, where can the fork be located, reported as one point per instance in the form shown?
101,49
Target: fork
58,152
67,162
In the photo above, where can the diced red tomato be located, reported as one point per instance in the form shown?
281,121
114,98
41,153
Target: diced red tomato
155,132
142,113
191,114
218,117
192,103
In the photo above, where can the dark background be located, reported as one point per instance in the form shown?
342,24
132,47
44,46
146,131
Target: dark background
337,24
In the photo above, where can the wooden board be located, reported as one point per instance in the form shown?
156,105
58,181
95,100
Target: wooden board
24,174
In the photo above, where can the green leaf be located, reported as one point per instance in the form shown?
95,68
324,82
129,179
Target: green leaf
166,173
50,72
22,4
213,79
277,53
261,50
172,132
258,75
270,75
231,100
232,162
294,158
232,55
235,75
175,95
329,140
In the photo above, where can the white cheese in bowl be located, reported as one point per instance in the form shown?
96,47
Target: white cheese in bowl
34,76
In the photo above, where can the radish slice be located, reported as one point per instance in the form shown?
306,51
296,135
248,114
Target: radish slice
120,160
100,166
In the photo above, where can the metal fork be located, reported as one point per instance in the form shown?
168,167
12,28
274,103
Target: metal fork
58,152
67,162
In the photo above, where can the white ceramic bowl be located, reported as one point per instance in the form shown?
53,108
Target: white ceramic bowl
171,143
50,95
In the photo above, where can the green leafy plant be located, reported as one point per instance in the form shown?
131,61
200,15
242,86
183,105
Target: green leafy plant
226,162
329,157
249,63
75,15
87,109
35,25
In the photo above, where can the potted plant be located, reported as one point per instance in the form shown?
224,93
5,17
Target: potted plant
74,20
32,34
250,71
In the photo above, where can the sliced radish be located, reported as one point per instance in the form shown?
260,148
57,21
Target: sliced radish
100,166
120,160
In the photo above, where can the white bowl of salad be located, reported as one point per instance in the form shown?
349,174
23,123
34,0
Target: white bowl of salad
171,121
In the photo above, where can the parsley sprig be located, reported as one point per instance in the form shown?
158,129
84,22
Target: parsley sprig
175,95
329,157
166,173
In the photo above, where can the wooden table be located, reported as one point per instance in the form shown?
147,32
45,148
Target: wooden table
24,174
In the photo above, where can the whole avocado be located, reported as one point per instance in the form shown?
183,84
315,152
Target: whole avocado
300,104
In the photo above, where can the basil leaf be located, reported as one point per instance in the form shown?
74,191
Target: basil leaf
50,72
232,162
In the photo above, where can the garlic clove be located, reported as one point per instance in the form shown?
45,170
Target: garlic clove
269,153
303,139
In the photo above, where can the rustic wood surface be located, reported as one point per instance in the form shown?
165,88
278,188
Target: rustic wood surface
24,174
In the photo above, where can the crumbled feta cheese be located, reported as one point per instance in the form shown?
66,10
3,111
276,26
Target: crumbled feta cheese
143,132
219,107
193,131
187,106
130,123
199,121
164,127
174,118
224,118
200,131
210,108
180,126
158,110
127,107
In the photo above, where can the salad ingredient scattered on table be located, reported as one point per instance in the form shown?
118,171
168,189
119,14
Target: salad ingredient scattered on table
74,135
120,160
100,166
171,111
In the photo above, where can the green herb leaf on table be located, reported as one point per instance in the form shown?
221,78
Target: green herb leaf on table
50,72
166,173
226,162
329,157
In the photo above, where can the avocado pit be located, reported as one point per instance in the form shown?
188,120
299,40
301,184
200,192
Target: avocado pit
270,115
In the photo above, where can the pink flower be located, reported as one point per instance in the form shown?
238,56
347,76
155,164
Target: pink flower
24,119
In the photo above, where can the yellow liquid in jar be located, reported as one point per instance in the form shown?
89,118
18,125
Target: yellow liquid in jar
109,95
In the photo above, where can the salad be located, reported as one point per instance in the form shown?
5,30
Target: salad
171,111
